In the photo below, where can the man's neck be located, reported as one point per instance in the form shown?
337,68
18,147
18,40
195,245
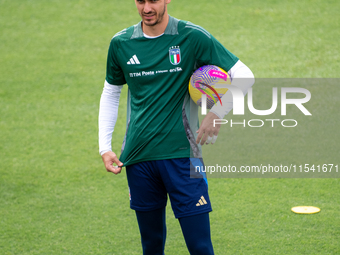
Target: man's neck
158,29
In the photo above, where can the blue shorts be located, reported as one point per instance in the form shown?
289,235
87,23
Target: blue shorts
151,181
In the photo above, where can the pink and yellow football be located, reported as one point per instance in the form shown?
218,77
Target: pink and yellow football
204,81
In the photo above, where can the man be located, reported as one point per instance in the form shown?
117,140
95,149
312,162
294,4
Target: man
156,58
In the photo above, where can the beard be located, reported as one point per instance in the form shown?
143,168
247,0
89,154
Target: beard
159,17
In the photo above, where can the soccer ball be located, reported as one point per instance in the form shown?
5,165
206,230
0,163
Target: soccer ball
204,80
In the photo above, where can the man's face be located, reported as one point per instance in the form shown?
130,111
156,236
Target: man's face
152,11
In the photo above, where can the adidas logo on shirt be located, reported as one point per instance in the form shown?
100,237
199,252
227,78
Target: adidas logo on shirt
201,201
133,61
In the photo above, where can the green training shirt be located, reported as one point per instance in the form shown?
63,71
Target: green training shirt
157,72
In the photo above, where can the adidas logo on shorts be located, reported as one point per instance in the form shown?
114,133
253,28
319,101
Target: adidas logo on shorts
201,201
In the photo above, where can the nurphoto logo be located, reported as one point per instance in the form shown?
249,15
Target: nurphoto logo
238,106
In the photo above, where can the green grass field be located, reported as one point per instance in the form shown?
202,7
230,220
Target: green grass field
55,194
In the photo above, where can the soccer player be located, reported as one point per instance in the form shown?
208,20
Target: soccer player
156,58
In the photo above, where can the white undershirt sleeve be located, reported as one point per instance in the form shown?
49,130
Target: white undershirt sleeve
108,114
242,77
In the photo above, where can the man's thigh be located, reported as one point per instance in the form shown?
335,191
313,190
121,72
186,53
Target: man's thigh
147,191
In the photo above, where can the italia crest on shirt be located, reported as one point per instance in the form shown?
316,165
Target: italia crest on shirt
175,55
